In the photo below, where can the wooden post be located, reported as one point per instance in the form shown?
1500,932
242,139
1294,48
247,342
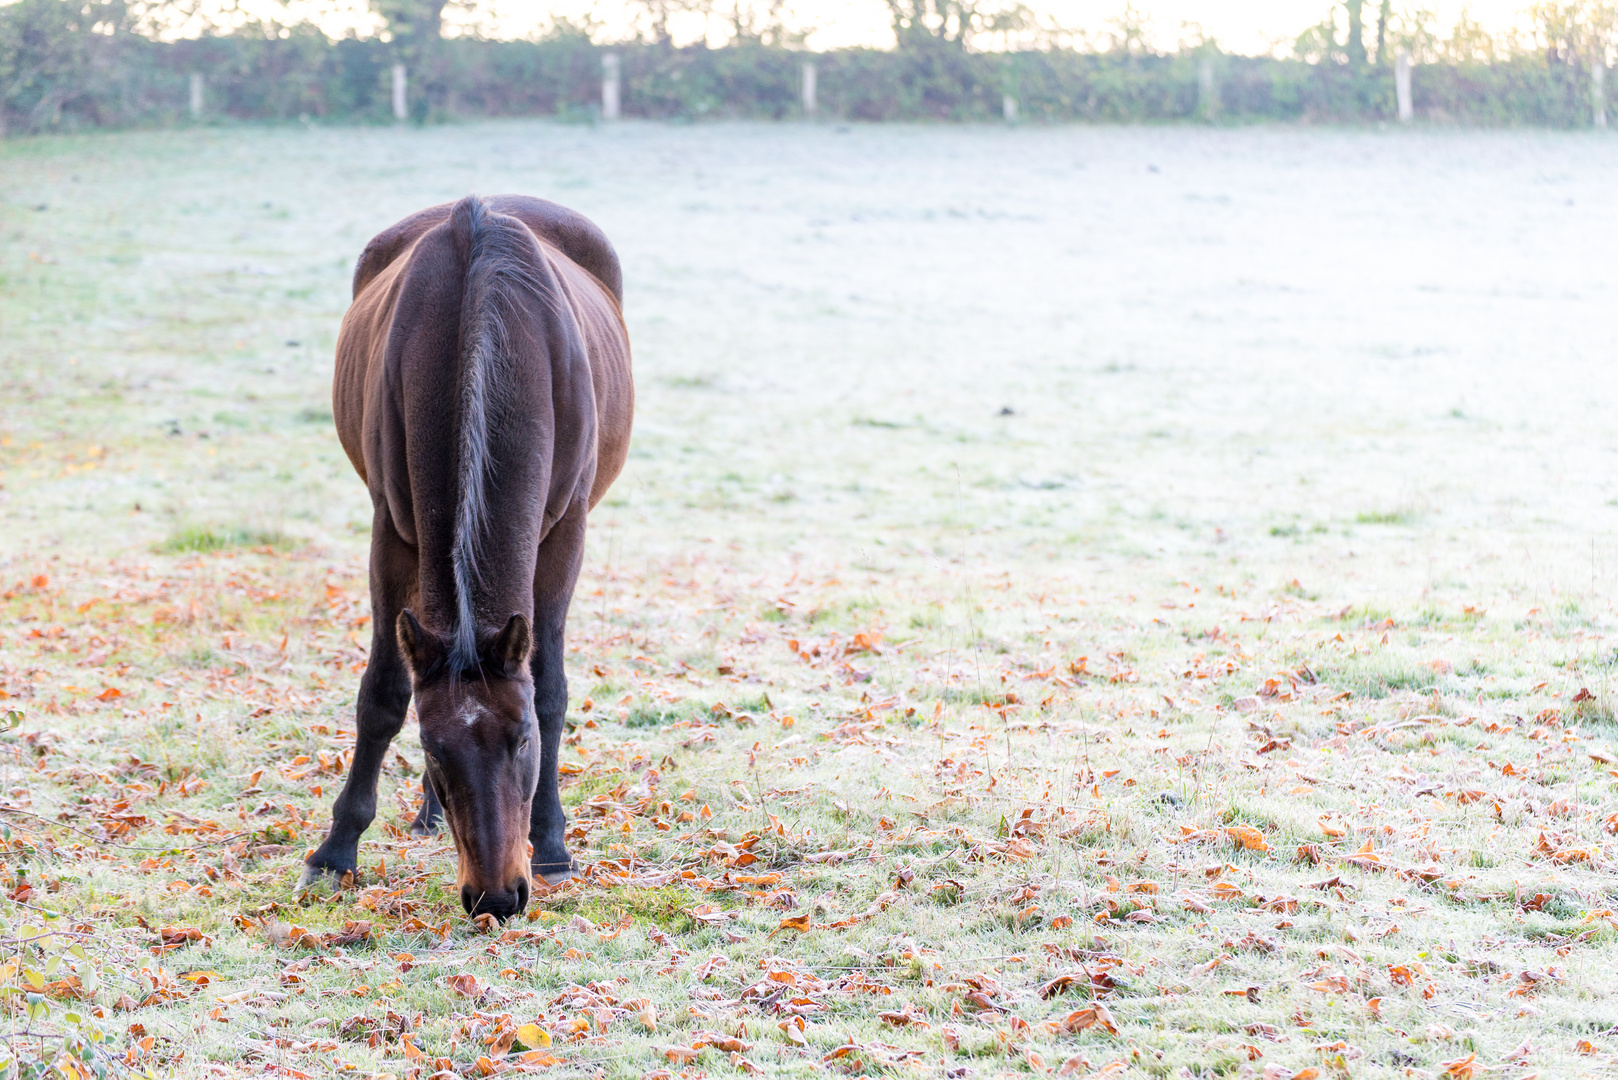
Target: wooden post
611,70
1206,92
196,95
1598,92
400,112
810,103
1401,87
1008,108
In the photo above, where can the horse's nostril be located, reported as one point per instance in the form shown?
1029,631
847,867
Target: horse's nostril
502,905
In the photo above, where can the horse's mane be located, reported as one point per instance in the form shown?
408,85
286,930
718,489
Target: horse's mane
498,254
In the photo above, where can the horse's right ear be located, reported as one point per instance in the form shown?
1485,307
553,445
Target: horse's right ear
421,647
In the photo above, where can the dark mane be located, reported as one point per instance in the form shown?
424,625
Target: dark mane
497,253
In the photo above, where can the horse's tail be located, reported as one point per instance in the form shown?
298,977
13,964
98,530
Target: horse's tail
497,255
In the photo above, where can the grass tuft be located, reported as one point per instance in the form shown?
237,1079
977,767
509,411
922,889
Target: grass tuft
196,539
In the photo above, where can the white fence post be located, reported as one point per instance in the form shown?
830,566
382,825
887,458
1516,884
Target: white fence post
810,102
1008,108
400,112
611,71
1401,87
196,95
1598,92
1205,88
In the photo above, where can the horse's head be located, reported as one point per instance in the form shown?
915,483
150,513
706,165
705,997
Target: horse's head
481,740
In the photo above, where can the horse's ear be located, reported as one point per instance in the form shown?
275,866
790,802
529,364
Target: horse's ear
421,647
512,646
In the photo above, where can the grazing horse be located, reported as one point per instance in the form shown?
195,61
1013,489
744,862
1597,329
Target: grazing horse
483,393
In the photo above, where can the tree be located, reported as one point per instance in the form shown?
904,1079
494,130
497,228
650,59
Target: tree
927,24
1318,43
1356,33
58,60
415,26
1577,32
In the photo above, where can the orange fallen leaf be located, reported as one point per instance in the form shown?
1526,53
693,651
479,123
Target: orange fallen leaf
1247,837
1461,1068
800,923
539,1058
1096,1015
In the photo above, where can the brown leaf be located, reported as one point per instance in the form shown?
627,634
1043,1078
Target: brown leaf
1090,1016
800,923
1249,838
466,985
175,936
352,933
903,1018
1462,1068
720,1041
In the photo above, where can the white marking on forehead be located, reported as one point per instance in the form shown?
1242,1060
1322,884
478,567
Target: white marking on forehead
471,712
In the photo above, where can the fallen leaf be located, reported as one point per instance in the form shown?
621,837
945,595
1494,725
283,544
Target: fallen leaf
1095,1015
800,923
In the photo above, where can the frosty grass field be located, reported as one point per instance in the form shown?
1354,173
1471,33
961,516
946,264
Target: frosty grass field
1108,602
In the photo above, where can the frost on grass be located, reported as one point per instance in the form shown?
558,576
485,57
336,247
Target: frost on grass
964,677
831,845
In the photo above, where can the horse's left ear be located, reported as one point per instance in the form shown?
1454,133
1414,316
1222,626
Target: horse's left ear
512,646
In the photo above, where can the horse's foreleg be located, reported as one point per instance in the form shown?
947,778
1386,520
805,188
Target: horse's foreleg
560,557
432,811
380,710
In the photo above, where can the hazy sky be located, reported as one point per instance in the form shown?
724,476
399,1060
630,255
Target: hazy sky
1242,26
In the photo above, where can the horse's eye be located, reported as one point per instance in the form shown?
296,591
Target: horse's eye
522,745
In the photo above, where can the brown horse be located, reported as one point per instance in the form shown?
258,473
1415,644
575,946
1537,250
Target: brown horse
483,393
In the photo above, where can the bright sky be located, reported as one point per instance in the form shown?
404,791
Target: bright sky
1240,26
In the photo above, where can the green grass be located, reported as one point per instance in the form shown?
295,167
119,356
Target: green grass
205,538
1385,517
663,908
176,663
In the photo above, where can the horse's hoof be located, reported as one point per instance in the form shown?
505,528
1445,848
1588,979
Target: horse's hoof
419,828
553,874
316,875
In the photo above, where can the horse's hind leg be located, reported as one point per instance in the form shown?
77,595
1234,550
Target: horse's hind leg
432,811
380,710
560,557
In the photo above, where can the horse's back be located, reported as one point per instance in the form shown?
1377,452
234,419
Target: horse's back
588,270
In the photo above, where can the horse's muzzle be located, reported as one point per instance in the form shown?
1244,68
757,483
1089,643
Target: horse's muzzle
502,905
